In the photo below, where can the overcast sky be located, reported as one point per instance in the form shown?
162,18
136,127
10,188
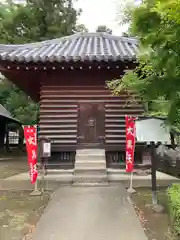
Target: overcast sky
100,12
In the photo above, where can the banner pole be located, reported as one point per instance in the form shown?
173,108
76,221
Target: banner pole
131,190
36,192
42,179
131,180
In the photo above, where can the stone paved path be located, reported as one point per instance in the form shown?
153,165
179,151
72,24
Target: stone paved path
89,213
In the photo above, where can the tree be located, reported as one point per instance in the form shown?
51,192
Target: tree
126,34
124,15
103,28
17,102
81,28
36,21
156,77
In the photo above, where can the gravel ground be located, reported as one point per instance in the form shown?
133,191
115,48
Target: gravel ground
156,225
10,167
19,214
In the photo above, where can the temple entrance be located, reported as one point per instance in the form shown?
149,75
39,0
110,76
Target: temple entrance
91,131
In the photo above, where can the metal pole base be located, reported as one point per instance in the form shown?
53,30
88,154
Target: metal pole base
131,190
158,208
154,198
35,193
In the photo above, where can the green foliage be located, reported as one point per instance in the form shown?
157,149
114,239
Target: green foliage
173,193
81,28
125,11
19,104
156,77
38,20
103,28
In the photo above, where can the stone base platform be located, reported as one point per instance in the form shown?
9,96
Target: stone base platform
56,178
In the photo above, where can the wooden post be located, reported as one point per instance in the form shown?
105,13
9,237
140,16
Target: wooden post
7,138
153,174
44,161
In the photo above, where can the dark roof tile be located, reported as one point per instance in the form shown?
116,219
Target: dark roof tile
77,47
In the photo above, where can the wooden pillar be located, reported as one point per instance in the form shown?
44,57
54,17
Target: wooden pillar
7,146
21,137
2,133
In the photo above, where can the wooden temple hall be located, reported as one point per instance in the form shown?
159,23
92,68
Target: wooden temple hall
67,76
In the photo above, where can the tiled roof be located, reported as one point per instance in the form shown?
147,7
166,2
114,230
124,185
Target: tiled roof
77,47
4,113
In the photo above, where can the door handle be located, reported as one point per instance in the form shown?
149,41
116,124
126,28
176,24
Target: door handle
91,122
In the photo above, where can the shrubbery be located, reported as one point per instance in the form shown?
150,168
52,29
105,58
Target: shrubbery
173,193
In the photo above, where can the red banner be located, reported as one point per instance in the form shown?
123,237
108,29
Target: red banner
130,143
30,134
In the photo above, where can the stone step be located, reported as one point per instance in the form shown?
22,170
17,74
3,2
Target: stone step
93,178
90,153
90,161
90,158
60,171
90,165
84,151
87,171
123,172
90,184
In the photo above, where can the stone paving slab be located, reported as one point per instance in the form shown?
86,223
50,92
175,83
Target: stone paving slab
93,213
58,178
116,174
5,159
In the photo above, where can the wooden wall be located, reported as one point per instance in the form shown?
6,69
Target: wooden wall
58,115
59,98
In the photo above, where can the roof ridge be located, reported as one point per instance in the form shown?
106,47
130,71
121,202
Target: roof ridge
36,44
96,34
67,38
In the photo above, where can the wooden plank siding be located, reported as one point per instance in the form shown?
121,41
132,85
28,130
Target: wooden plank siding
59,113
115,119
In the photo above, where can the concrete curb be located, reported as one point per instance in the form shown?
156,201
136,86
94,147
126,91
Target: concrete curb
65,178
51,185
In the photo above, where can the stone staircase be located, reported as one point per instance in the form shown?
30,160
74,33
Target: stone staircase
90,167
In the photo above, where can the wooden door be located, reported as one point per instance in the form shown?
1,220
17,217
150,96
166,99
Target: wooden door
91,127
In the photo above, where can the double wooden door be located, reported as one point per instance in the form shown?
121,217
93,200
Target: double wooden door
91,125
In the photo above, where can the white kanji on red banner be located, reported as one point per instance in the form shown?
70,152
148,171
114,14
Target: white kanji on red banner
128,157
130,130
30,133
130,143
31,141
34,155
